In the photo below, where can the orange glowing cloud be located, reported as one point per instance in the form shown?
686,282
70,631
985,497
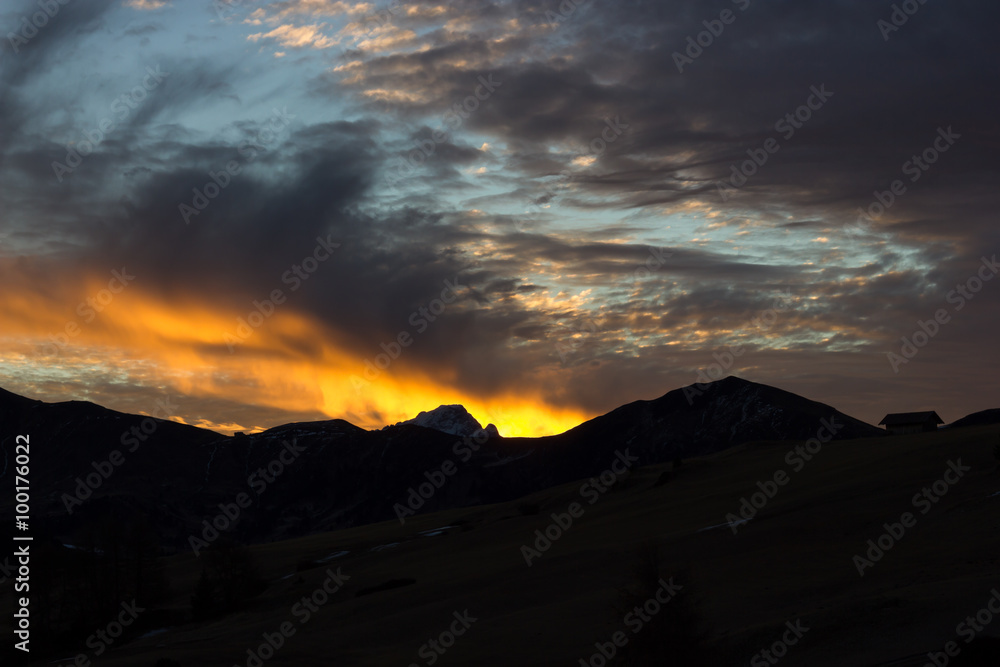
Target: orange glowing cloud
288,361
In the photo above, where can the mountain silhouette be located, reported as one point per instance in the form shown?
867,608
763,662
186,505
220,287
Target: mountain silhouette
342,475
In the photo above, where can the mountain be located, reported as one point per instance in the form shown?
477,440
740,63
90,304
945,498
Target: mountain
74,446
791,563
453,419
317,476
981,418
692,421
705,418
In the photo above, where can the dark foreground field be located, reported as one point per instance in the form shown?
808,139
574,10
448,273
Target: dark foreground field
792,566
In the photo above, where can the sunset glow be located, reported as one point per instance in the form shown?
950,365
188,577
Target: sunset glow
554,238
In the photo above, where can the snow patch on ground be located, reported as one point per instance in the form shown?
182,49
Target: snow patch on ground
508,459
153,633
727,524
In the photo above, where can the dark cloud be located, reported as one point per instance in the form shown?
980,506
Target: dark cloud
561,86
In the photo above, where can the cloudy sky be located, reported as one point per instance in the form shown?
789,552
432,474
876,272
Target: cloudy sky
541,210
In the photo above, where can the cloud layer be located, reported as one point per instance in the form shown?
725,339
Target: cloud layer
624,210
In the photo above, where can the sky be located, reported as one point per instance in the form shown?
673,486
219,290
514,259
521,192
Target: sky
265,212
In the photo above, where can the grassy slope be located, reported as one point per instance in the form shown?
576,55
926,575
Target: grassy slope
794,561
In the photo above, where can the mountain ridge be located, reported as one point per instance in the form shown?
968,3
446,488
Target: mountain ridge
342,475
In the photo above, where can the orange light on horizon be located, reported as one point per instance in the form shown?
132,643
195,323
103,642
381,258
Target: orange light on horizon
290,362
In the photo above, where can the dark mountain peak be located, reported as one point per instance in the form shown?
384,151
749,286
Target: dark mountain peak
327,426
706,417
10,399
65,409
736,388
731,384
735,381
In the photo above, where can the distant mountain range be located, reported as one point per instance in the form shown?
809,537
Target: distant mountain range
90,462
